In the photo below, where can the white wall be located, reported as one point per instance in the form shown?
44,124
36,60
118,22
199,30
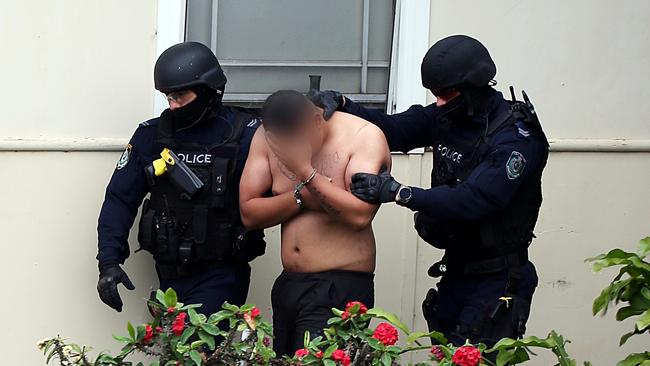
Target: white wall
90,64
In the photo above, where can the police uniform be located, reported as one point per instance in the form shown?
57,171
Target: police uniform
208,278
189,161
485,192
481,208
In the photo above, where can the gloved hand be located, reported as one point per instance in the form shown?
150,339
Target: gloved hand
374,188
329,100
109,277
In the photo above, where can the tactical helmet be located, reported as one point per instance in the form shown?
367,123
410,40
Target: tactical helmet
187,65
455,62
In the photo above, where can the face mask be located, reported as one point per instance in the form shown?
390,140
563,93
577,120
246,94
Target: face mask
196,111
454,111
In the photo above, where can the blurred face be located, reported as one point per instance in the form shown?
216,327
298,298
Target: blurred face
445,96
180,98
310,129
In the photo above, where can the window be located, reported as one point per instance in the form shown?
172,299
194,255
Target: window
268,45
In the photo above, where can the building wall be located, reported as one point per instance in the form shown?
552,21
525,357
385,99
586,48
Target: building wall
90,64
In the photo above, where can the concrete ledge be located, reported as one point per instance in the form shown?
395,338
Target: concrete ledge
118,144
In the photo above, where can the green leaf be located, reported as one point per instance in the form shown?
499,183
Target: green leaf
644,321
644,246
160,296
122,339
220,316
626,312
329,363
187,333
194,317
625,337
196,357
505,356
208,339
131,330
439,337
170,298
634,359
390,317
211,329
139,333
386,360
231,307
305,339
330,350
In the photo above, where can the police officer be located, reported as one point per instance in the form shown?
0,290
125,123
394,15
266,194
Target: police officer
485,192
197,239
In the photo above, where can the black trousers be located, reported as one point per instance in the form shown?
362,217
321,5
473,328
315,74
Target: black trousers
304,301
464,302
211,288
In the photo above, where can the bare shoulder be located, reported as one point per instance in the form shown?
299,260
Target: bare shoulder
358,129
259,140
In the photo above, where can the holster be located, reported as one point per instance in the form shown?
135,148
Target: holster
430,310
505,317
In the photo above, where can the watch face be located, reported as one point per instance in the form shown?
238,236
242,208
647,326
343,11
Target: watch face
405,194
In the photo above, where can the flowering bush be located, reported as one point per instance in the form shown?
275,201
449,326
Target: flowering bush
179,336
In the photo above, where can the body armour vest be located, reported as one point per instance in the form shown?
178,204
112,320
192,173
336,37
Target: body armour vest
507,231
178,229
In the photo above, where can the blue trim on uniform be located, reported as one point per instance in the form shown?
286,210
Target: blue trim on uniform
128,186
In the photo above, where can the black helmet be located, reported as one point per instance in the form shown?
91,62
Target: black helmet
187,65
457,61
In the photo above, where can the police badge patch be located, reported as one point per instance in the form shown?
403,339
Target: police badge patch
124,159
515,165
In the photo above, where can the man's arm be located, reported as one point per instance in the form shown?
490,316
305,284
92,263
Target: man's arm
371,155
257,211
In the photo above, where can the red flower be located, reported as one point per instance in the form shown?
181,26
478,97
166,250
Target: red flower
179,324
171,310
342,357
255,312
319,354
348,309
437,353
362,308
266,341
386,334
148,334
467,356
159,329
301,353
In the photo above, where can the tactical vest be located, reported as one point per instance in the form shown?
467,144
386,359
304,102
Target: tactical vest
507,231
179,230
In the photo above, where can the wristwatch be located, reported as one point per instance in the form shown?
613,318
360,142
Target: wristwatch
404,195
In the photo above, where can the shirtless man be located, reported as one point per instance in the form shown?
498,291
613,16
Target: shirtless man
298,174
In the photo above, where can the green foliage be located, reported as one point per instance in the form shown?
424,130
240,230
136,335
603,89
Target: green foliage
629,288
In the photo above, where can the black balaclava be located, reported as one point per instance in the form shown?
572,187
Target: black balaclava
206,103
470,103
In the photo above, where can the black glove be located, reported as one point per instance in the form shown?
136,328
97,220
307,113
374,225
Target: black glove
374,188
109,277
329,100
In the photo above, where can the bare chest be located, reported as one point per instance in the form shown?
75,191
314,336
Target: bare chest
331,163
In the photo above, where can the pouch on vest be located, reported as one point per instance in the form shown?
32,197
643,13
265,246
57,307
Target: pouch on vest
220,170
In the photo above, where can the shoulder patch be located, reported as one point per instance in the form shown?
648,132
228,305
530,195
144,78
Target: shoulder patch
124,158
253,123
515,165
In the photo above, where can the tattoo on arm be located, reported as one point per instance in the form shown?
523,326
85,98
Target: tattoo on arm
323,202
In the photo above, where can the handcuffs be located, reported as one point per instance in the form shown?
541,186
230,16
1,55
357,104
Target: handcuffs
300,186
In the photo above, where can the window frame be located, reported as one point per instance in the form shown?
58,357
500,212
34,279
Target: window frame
410,43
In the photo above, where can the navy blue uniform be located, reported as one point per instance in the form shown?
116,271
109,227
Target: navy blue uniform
511,159
127,189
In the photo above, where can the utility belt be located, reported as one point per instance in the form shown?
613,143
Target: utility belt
188,240
173,271
479,267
